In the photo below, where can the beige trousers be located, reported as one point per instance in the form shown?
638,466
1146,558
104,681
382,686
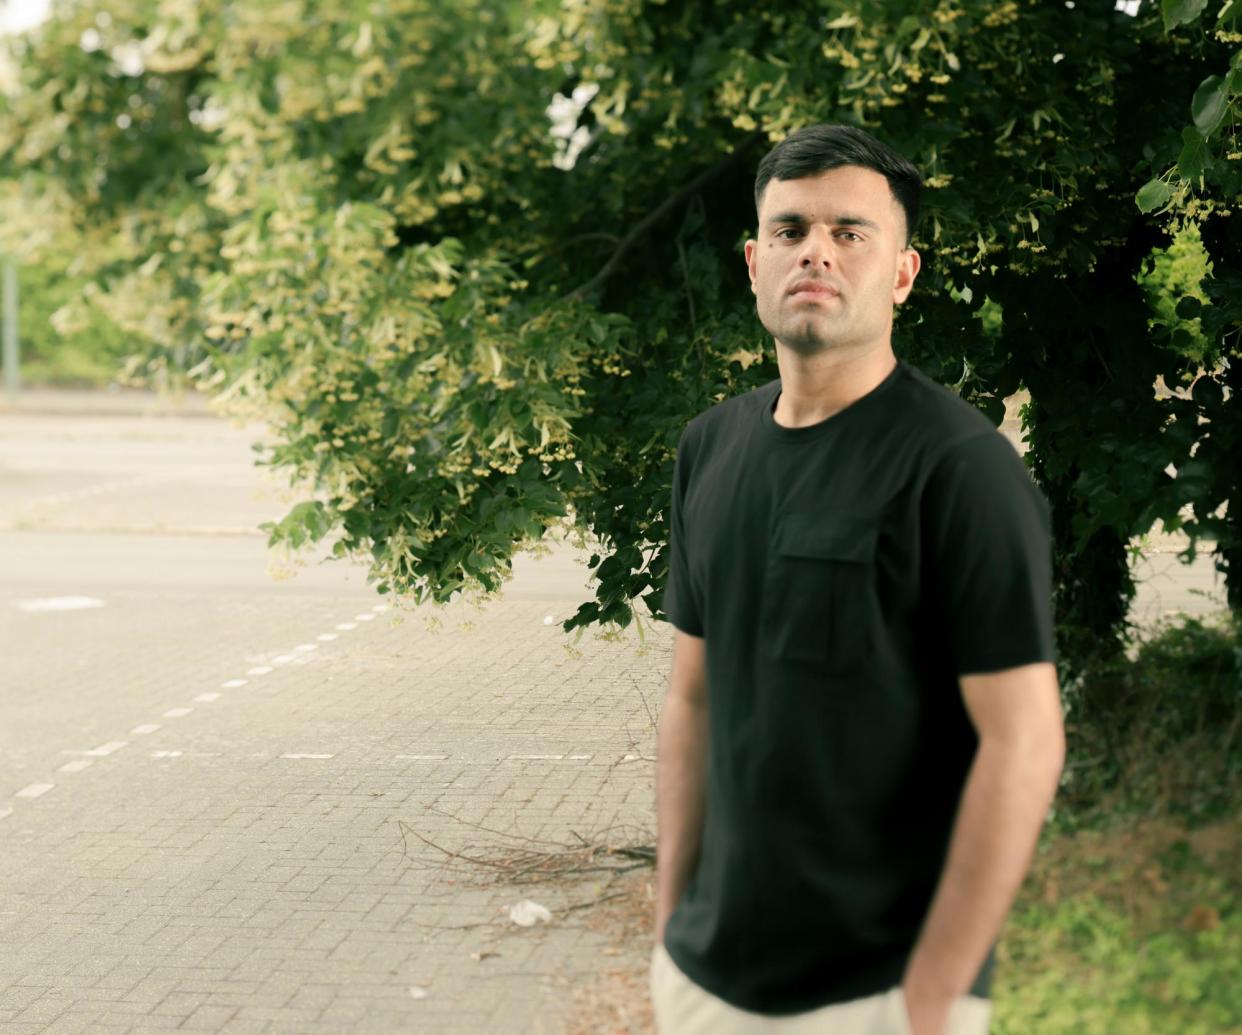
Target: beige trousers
683,1008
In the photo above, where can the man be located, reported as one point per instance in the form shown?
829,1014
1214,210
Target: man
862,733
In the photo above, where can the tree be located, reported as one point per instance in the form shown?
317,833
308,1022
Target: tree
354,221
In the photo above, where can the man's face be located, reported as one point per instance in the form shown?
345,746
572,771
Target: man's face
829,263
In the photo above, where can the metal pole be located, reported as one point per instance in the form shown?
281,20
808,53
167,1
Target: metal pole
10,330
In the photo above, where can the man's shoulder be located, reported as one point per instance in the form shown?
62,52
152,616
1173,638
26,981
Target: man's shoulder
729,413
941,410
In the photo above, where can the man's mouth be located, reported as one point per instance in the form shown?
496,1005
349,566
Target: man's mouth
813,291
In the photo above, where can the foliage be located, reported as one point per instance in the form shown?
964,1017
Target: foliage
1172,274
353,221
1156,730
1129,919
61,341
1084,967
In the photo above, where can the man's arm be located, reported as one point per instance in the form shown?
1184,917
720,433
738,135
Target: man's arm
1011,784
681,774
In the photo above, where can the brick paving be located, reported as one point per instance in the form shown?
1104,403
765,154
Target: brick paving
243,868
182,850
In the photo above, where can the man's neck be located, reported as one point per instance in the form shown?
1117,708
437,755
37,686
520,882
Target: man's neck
814,390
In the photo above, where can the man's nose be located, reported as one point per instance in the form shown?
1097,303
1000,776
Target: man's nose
816,248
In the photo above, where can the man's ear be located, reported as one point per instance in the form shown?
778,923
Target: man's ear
908,265
751,251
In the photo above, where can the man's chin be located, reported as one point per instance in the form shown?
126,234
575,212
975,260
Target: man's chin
807,344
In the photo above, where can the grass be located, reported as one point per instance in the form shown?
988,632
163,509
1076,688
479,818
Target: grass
1132,928
1129,920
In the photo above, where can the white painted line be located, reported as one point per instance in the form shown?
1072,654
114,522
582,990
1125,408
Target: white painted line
232,683
108,748
94,490
143,730
177,713
305,647
282,659
305,756
165,754
426,758
631,758
579,758
76,766
326,637
537,758
34,790
60,604
379,609
347,626
364,617
5,813
207,698
262,670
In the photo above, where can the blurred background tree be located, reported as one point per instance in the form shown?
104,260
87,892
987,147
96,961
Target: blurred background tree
478,264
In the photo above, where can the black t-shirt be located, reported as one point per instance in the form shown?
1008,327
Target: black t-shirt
843,576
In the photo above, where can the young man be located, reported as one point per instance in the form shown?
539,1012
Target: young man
862,733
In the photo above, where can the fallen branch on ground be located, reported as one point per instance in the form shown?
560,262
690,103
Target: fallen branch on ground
520,864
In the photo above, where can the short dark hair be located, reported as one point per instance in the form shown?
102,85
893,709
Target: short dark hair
816,149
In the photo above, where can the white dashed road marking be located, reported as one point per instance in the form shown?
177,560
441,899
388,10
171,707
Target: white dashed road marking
536,758
93,490
60,604
36,790
579,758
426,758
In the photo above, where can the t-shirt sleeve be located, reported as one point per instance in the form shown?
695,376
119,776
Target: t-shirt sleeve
987,531
679,602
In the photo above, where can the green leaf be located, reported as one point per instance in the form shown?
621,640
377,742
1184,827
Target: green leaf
1153,195
1195,157
1188,307
1180,12
1209,105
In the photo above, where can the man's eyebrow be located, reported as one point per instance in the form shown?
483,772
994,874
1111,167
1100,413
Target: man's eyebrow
798,219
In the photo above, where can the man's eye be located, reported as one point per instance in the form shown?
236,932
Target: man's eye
787,230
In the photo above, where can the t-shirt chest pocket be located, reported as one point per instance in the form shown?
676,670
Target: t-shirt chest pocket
819,594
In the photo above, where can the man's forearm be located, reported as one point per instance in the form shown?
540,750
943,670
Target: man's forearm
1003,807
681,779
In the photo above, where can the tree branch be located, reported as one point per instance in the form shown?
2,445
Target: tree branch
653,217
